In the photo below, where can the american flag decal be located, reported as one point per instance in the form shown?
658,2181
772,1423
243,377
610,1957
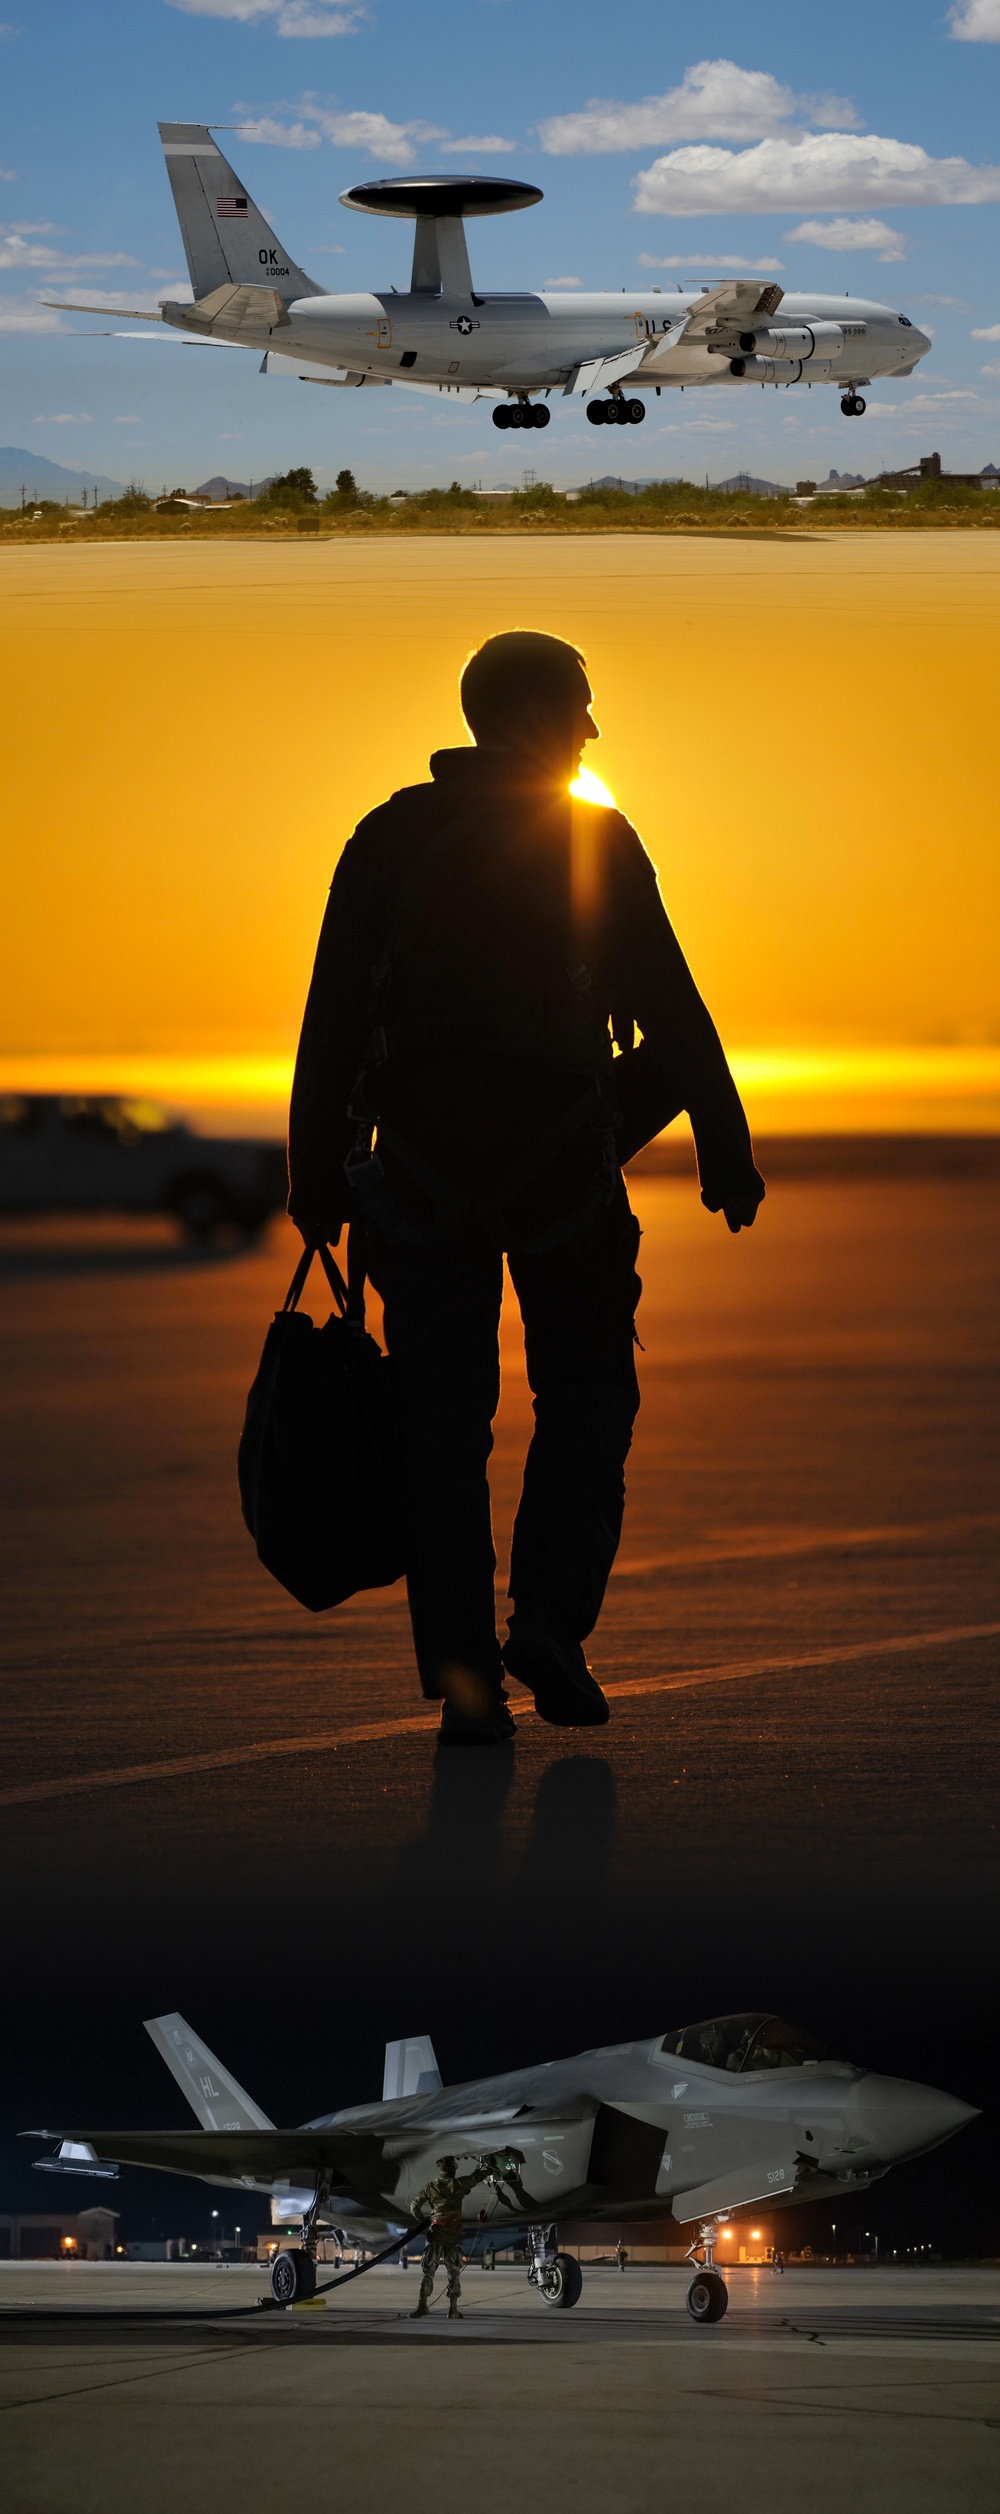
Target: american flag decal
232,209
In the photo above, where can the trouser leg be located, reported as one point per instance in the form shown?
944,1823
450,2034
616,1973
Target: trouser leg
432,2255
453,2264
578,1305
442,1315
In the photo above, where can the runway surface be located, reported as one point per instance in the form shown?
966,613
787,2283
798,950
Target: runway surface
877,2388
219,1803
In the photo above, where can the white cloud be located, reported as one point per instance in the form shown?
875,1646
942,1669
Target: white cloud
7,175
21,314
266,133
992,369
562,283
851,235
490,146
63,419
990,332
975,22
279,17
390,142
32,227
705,262
822,170
715,100
15,255
959,304
127,419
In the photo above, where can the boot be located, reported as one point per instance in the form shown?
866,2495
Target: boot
454,2314
420,2308
556,1672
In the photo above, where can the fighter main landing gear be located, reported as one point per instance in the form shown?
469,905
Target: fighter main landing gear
521,415
616,412
708,2295
558,2278
853,406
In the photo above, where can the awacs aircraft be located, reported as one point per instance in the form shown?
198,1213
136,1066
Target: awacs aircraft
716,2117
441,336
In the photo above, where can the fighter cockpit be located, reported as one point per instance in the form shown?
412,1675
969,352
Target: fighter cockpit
744,2043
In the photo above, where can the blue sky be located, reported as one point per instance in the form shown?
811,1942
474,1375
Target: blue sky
857,149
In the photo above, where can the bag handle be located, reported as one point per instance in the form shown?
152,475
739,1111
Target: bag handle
349,1296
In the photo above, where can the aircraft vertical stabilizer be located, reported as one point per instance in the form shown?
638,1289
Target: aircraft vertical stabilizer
215,2098
226,237
410,2068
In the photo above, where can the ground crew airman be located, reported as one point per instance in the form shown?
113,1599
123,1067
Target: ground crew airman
442,2199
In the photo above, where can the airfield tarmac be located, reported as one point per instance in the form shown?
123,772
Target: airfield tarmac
878,2389
219,1803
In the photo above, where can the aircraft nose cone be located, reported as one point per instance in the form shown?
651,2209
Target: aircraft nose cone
898,2118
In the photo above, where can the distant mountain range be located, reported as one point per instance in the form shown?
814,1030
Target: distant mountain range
40,478
220,486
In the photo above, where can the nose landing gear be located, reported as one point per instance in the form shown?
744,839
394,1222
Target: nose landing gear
558,2278
708,2295
853,406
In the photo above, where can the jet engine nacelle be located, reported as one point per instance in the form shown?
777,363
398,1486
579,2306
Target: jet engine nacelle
797,340
776,370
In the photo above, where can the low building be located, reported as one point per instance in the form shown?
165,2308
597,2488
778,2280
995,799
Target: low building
87,2234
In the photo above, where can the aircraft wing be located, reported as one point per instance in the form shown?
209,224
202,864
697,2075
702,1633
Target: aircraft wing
344,2157
735,302
597,373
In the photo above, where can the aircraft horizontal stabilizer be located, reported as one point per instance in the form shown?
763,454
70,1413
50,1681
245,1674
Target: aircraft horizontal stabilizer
265,2155
773,2179
214,2096
251,313
122,314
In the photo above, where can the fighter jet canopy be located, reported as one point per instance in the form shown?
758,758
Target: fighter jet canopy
441,196
745,2042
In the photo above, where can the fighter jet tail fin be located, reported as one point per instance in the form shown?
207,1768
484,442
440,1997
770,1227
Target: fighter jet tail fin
410,2068
216,2100
226,237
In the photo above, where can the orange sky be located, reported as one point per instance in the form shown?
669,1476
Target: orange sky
800,728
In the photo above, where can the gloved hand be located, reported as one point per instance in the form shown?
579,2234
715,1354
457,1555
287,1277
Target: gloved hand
738,1202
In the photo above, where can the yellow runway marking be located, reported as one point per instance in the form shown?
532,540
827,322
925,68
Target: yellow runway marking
423,1724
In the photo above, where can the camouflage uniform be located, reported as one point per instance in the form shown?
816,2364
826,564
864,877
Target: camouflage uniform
443,2198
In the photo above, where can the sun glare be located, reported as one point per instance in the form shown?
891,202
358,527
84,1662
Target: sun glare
590,789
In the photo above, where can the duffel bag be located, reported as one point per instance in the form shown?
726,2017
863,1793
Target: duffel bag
317,1456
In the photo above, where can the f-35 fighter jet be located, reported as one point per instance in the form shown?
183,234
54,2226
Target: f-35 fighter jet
716,2117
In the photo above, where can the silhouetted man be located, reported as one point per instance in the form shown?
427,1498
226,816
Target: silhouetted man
486,941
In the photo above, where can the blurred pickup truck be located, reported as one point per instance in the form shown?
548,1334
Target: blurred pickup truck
101,1155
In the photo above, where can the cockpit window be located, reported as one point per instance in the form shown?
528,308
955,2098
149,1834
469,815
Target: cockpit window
745,2043
904,318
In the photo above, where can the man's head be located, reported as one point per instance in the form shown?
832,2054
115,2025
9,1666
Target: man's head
528,695
446,2165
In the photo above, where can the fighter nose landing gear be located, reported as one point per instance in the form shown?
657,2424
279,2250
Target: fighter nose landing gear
616,412
852,406
521,415
708,2295
558,2278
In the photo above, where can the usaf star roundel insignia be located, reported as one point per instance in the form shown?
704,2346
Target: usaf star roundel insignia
465,324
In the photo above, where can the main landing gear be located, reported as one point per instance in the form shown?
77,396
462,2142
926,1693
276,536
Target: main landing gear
521,415
852,406
708,2295
293,2273
558,2278
616,412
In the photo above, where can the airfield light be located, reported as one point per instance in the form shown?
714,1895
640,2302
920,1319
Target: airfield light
755,2234
727,2234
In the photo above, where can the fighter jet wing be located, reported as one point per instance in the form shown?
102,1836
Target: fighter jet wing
735,302
238,2155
